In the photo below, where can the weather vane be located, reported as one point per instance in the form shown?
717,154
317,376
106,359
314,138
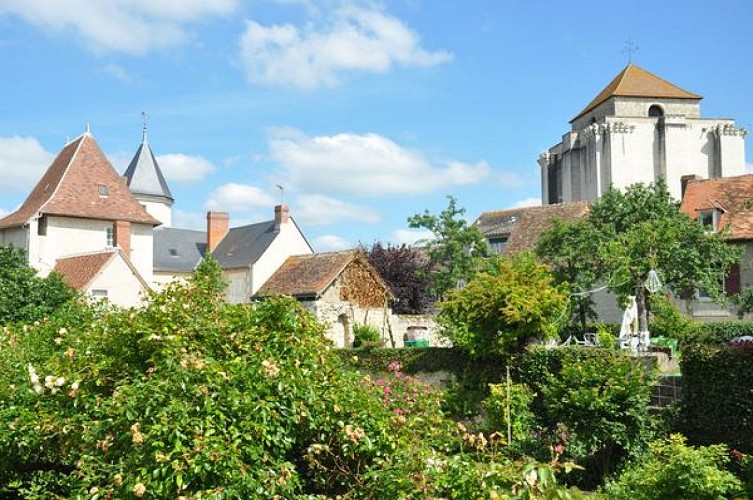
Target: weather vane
143,121
630,49
282,193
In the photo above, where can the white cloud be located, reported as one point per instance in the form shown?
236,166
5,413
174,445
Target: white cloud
367,164
234,197
330,243
352,38
320,210
23,160
130,26
189,220
3,213
184,168
410,236
510,179
116,71
533,201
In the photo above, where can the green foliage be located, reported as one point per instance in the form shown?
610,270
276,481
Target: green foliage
672,469
717,332
366,336
208,277
517,413
716,404
600,397
643,229
512,303
563,248
455,251
667,320
744,302
24,296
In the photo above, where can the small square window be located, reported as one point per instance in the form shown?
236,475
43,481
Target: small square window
99,294
103,191
109,237
173,252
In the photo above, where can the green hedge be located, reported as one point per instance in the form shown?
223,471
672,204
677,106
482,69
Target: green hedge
414,360
716,333
717,395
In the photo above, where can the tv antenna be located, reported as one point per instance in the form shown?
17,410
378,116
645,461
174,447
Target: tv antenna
282,193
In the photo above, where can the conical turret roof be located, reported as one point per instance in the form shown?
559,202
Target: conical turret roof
144,176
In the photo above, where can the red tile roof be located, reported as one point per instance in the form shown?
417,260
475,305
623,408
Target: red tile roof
634,81
80,270
524,226
71,187
311,275
731,196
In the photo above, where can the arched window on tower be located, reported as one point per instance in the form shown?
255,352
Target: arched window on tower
655,111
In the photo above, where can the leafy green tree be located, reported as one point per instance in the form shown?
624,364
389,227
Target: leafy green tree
512,302
643,229
208,276
627,234
456,250
570,248
24,296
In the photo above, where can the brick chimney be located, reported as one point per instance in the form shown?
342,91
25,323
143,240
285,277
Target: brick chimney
122,236
282,215
218,224
684,181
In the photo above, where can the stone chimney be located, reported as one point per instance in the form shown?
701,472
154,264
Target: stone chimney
282,215
122,236
684,181
218,224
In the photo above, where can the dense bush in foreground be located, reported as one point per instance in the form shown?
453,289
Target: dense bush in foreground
190,397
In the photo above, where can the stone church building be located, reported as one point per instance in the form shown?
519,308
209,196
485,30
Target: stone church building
638,129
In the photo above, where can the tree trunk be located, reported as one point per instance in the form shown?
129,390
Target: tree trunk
640,300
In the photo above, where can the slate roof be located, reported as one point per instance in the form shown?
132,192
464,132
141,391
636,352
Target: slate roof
731,196
144,176
242,246
178,250
80,270
634,81
524,226
304,276
71,187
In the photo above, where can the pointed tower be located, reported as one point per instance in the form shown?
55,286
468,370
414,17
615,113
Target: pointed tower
148,185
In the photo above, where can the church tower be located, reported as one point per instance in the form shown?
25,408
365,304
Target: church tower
148,185
639,128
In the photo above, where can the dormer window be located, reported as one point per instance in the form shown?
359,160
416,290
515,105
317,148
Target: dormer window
709,219
103,192
497,244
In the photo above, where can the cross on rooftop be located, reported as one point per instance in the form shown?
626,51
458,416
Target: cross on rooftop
630,48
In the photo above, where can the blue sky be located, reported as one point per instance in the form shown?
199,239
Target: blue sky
366,112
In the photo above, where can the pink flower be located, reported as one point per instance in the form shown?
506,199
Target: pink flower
399,411
387,391
394,366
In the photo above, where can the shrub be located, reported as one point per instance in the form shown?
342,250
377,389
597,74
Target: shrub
517,413
667,320
600,397
501,310
717,332
673,469
715,405
366,336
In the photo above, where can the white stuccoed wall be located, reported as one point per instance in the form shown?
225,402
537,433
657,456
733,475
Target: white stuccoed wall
123,287
289,242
